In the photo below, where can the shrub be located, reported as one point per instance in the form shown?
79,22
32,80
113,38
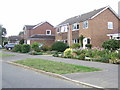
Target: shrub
35,46
82,57
75,45
59,46
68,53
58,54
46,48
80,52
89,46
25,48
111,44
17,48
102,59
89,53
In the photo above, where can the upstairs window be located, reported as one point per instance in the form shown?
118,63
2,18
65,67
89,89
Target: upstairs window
85,24
64,28
110,25
58,30
48,32
75,26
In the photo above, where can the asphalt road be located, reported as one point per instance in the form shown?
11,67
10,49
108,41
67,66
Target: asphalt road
16,77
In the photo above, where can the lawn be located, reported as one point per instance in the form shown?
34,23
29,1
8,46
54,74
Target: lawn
55,67
5,55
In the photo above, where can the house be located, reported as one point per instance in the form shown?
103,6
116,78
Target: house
43,33
14,39
21,34
94,26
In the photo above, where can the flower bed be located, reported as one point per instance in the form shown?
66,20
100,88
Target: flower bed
98,55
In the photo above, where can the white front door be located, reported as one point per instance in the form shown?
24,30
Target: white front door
28,41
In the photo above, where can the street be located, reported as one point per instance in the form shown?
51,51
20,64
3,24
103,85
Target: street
16,77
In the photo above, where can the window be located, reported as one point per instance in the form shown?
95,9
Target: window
58,30
75,40
64,28
110,25
48,32
75,26
65,41
85,24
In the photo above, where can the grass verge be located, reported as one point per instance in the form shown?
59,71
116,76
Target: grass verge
55,67
5,55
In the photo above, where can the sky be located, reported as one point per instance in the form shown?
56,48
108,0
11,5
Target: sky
14,14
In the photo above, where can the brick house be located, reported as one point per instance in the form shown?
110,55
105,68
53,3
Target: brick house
43,33
94,26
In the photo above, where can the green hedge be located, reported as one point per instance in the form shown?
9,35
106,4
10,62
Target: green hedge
25,48
59,46
17,48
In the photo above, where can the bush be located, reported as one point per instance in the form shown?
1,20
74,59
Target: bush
46,48
111,44
35,46
75,45
58,54
17,48
68,53
59,46
25,48
102,59
88,46
82,57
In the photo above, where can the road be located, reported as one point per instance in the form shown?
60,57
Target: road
16,77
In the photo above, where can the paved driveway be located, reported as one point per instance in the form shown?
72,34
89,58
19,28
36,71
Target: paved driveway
108,78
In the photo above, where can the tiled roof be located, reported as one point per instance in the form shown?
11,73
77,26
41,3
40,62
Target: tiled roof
29,27
42,36
81,17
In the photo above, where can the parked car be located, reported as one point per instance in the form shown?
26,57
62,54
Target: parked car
10,46
0,46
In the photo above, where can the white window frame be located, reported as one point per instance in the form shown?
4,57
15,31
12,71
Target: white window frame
64,28
48,30
85,24
110,25
75,40
75,25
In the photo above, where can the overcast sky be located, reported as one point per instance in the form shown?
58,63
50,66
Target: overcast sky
17,13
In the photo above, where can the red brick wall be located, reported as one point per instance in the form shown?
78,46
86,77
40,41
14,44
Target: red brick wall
46,42
42,29
97,29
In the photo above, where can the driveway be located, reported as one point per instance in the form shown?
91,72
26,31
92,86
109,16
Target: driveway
107,78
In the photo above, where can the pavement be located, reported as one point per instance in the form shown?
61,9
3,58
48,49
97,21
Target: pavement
107,78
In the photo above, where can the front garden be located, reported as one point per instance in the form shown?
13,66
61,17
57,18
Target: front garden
108,54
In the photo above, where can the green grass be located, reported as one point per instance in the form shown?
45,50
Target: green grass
55,67
5,55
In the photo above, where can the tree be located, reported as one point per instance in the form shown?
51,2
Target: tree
21,41
111,44
3,32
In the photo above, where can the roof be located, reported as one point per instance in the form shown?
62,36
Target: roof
42,36
29,27
14,38
86,16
